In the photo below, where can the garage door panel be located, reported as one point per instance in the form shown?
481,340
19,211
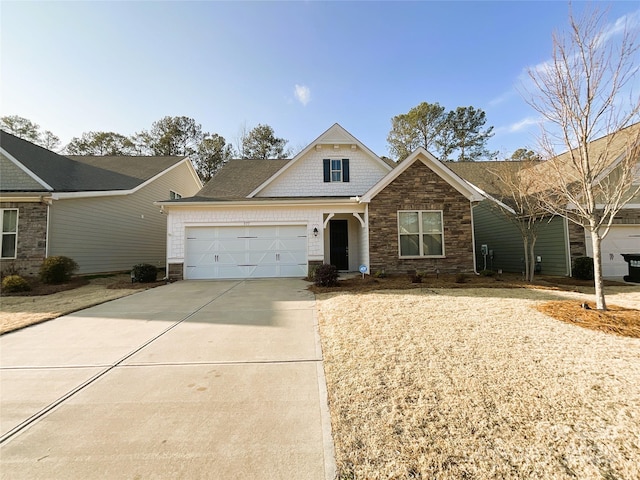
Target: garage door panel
246,252
620,239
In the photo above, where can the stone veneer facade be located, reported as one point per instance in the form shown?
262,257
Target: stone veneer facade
32,238
419,188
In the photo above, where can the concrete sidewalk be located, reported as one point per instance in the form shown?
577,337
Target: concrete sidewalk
218,379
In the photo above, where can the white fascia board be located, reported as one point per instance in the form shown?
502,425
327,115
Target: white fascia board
312,145
24,198
472,193
26,170
115,193
259,203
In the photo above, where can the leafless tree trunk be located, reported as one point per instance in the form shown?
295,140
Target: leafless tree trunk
586,99
515,199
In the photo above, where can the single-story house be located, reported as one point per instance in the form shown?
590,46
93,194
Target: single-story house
559,240
335,202
97,210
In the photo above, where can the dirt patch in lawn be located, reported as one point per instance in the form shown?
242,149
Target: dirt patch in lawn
45,302
476,383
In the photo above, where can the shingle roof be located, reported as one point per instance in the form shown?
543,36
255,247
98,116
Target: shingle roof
140,167
80,174
238,178
483,174
602,151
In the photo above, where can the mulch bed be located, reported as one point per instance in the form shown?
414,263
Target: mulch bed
617,320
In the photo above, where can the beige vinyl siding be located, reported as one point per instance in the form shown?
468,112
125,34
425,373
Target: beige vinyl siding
503,237
13,178
113,233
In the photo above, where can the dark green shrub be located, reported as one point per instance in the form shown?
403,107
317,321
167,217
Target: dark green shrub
487,273
583,268
57,269
144,273
15,283
326,276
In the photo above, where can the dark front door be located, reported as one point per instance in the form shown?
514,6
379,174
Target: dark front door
339,244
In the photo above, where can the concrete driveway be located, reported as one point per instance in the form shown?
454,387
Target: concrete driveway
198,379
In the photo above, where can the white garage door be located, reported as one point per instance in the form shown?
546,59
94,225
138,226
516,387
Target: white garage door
246,252
620,239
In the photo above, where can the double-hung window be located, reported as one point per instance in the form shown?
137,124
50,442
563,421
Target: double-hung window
420,233
9,230
174,196
336,169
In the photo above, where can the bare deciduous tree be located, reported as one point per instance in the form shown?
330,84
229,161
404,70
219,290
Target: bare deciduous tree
519,204
584,95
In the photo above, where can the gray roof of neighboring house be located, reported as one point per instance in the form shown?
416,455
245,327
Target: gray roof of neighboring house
78,174
140,167
483,174
238,178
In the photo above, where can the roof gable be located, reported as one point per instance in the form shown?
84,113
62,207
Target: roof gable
336,136
436,166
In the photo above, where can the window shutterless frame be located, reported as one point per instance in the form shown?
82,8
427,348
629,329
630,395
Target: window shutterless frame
420,234
9,233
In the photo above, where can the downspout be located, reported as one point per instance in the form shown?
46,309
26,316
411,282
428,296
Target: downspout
47,202
473,239
567,246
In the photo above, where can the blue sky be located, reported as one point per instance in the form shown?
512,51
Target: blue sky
118,66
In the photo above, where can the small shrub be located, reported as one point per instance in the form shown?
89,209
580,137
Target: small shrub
417,277
326,276
583,268
311,274
15,283
57,269
379,274
461,278
487,273
145,273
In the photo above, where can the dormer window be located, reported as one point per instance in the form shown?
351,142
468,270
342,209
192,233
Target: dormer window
174,196
336,170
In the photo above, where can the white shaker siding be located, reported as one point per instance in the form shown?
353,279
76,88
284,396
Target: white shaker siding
113,233
305,177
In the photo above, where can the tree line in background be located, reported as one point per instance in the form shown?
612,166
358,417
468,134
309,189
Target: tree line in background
167,136
457,135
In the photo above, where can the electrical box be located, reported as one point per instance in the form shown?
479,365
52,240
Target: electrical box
484,249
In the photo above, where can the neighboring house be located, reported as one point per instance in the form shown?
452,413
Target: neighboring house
97,210
335,202
503,240
559,240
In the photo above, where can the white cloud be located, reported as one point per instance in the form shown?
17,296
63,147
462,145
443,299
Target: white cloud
519,126
303,94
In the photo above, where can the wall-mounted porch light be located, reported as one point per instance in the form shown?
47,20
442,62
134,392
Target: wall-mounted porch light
315,231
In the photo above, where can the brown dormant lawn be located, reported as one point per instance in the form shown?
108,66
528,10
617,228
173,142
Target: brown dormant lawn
19,311
477,383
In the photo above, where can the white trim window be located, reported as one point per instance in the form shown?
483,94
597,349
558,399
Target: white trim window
335,170
420,233
9,232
